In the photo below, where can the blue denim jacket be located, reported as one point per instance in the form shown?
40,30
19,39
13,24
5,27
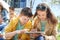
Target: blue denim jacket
2,26
4,14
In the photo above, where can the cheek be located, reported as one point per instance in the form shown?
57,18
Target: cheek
39,17
0,19
44,16
11,16
25,20
11,12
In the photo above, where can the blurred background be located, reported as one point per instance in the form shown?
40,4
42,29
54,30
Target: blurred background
19,4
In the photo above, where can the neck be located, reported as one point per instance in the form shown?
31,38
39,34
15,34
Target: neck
21,22
43,19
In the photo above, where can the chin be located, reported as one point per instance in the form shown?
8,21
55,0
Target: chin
23,23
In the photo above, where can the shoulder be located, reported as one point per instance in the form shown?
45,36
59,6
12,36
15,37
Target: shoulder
14,20
28,23
11,25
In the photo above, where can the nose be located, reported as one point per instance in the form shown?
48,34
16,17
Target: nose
26,21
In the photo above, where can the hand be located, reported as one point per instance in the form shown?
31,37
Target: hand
33,30
26,30
20,31
50,37
42,33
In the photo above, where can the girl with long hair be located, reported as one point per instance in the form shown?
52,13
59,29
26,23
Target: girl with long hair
45,22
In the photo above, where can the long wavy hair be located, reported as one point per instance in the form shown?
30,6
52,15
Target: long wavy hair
50,15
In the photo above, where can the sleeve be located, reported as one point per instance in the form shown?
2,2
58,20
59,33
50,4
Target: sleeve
5,15
28,25
9,27
12,25
54,31
53,36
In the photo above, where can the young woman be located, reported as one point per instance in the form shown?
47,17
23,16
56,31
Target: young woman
45,22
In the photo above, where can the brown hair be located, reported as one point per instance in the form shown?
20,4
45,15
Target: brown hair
50,15
27,12
12,8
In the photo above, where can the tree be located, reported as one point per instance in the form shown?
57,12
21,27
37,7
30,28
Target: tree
55,1
32,3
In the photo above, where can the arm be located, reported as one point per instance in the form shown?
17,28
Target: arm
53,34
10,29
10,35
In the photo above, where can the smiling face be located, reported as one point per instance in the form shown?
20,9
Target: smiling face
41,14
25,15
24,19
11,13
